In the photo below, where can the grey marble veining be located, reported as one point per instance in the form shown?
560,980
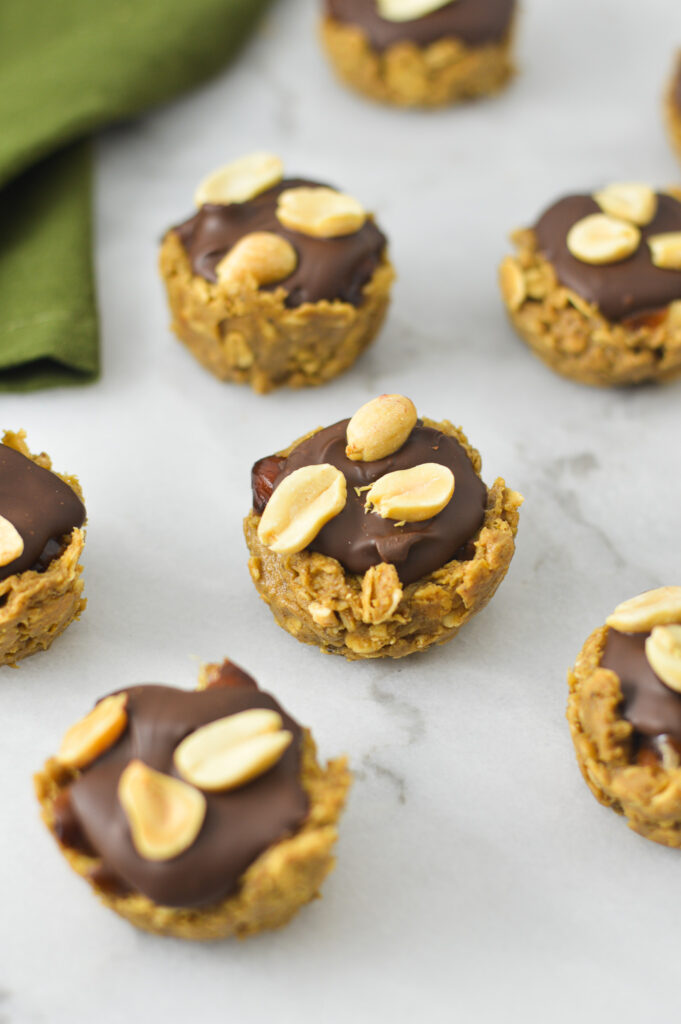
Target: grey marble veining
477,878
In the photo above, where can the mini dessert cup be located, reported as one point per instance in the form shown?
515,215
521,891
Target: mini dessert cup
41,540
376,537
195,814
672,107
420,53
594,288
275,282
624,712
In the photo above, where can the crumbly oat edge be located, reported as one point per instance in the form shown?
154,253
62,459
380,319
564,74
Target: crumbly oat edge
312,597
572,337
649,796
672,113
405,74
37,607
249,336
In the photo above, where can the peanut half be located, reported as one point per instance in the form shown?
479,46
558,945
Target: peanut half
408,10
663,651
299,507
11,542
231,751
165,814
645,611
261,256
665,250
95,733
320,212
628,200
241,180
512,283
599,239
381,593
412,495
674,315
380,427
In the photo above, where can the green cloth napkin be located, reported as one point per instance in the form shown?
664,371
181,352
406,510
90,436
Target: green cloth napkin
68,67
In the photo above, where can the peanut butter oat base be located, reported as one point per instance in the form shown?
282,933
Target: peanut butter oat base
36,607
372,616
570,334
672,111
408,75
250,336
271,891
648,795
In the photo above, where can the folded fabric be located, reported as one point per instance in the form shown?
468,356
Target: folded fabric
66,69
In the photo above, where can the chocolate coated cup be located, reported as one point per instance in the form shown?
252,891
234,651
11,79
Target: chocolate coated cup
299,332
38,602
461,51
626,729
281,825
373,613
602,325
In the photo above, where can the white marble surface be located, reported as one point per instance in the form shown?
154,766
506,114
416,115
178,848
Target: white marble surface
477,879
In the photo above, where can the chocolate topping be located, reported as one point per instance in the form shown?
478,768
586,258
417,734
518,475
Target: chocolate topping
328,268
239,824
652,708
40,506
620,290
360,539
476,22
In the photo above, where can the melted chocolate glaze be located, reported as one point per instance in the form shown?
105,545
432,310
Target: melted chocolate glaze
41,507
676,88
620,290
653,709
239,825
476,22
360,539
328,268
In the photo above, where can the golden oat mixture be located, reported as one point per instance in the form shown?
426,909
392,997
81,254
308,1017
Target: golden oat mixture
275,281
624,711
376,537
420,53
197,814
41,540
594,288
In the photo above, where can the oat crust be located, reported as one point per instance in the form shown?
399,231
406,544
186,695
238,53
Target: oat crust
407,75
249,336
36,607
672,113
312,596
271,891
648,795
572,337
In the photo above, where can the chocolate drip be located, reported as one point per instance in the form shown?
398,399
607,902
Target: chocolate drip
620,290
328,268
676,88
653,709
360,539
475,22
41,507
239,825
